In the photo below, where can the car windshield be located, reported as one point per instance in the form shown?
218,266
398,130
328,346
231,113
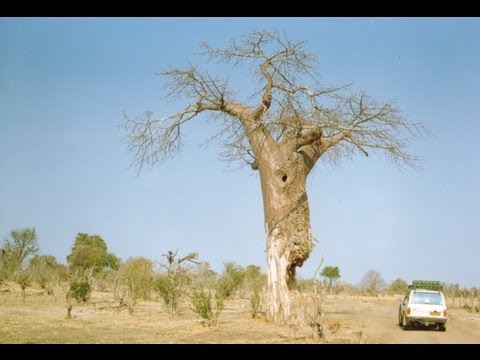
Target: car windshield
426,298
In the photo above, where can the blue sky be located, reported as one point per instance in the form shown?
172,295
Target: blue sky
64,169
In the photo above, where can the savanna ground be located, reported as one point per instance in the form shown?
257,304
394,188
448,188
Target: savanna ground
348,319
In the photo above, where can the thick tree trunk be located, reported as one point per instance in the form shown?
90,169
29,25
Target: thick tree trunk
287,225
278,297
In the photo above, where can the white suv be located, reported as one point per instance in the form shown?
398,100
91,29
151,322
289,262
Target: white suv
423,304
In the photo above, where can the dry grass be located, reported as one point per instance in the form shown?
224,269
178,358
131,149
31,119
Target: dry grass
42,319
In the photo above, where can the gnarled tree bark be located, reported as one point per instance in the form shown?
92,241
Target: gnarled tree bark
287,227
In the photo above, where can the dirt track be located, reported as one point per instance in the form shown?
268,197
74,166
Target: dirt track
348,320
374,320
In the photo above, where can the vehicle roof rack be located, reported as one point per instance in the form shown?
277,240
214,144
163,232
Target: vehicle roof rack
426,285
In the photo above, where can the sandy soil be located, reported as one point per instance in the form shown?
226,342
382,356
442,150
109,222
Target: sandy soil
347,320
374,320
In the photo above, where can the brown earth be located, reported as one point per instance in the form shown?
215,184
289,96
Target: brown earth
347,319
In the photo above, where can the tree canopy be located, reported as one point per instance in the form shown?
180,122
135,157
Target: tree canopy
44,270
398,286
289,103
21,245
331,272
90,252
372,282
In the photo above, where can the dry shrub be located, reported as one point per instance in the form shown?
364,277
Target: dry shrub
307,312
255,301
208,305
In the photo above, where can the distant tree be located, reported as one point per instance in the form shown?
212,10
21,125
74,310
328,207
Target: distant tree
253,282
5,267
230,280
254,277
22,278
90,252
290,122
347,288
107,280
475,292
398,286
372,282
171,285
136,276
253,272
17,249
62,273
79,291
453,290
465,293
203,276
44,270
332,273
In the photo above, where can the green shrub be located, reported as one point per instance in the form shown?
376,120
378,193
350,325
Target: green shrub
171,285
80,290
255,301
398,287
44,271
137,276
208,307
231,280
170,290
23,279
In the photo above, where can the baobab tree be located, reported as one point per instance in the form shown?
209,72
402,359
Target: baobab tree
290,121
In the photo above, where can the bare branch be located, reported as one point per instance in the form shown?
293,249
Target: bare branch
290,107
155,140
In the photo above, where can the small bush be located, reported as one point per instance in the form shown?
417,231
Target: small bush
398,287
170,290
208,307
44,271
23,279
230,280
171,285
255,301
79,290
106,281
137,276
